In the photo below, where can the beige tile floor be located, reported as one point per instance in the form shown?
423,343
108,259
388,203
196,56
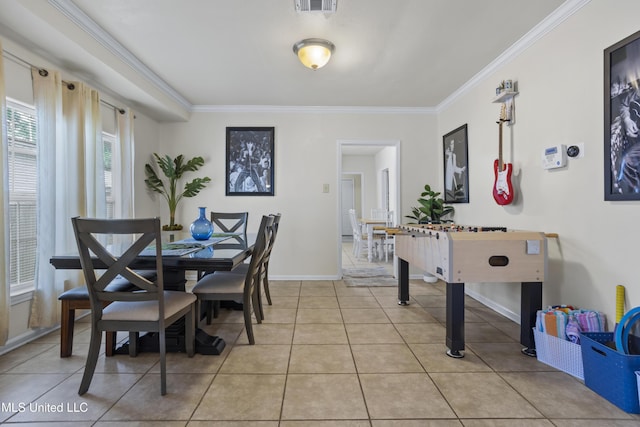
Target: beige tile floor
326,355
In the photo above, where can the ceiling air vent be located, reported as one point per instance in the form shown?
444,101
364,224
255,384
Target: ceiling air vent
326,6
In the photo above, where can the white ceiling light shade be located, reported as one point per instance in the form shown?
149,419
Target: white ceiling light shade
314,53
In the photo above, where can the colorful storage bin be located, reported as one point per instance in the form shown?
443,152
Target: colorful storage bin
609,373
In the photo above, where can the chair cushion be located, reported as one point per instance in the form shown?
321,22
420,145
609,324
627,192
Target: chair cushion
117,285
220,282
174,301
240,269
81,292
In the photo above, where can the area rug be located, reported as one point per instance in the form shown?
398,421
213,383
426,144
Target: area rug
370,281
376,276
366,272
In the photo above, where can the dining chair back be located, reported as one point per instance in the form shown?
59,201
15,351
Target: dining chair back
225,285
263,282
148,307
379,213
230,222
358,236
267,257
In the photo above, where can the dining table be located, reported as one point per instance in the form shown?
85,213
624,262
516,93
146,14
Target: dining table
222,252
369,224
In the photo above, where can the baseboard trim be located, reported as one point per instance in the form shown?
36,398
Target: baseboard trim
494,306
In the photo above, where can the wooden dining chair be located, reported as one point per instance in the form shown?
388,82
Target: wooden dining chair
263,283
148,308
226,285
230,223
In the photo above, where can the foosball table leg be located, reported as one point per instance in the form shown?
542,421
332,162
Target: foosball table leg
455,319
403,282
530,303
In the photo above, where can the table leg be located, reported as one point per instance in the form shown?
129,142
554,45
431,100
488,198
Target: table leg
530,303
403,282
455,319
174,280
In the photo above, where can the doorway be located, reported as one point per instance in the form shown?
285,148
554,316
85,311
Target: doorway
369,173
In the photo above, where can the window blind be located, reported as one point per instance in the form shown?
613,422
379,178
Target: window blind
22,159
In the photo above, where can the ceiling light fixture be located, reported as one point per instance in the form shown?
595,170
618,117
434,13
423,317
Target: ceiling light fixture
314,53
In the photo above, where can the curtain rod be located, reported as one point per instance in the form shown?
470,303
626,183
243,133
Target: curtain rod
43,72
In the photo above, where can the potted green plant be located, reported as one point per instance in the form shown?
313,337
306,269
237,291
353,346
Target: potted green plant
432,208
173,170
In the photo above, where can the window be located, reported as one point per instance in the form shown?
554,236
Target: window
108,141
23,170
22,150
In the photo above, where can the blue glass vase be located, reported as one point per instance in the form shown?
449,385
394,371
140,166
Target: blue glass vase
201,228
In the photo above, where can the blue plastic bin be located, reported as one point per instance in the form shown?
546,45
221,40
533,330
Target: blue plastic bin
609,373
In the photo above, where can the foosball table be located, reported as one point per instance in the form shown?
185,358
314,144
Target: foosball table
457,254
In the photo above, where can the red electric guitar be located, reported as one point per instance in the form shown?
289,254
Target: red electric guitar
502,189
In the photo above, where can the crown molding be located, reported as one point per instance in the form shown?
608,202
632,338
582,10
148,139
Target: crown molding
89,26
562,13
310,109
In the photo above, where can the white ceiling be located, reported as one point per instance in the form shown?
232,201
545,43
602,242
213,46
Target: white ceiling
169,57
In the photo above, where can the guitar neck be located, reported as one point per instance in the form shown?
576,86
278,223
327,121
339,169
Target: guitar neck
500,163
503,118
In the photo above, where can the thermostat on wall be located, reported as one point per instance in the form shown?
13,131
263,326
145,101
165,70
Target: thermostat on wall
554,157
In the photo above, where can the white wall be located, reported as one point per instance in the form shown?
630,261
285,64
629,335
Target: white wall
560,101
386,159
357,192
305,159
365,164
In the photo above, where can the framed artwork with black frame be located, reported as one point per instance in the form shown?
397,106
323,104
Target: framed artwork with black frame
249,166
456,166
622,120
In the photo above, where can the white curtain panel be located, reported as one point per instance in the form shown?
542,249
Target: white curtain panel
5,298
47,93
122,166
83,152
122,171
69,166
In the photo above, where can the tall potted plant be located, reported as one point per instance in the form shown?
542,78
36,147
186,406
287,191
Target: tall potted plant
432,208
173,170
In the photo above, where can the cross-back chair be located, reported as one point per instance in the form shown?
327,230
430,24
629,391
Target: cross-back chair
224,286
230,222
264,272
148,308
